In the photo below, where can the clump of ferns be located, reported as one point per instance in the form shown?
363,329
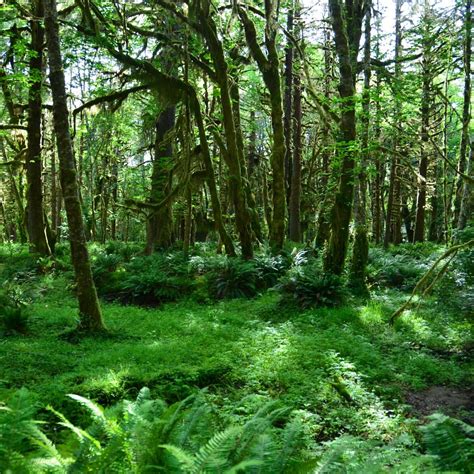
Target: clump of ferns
147,435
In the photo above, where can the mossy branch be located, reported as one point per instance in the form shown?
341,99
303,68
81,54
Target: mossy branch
114,96
424,285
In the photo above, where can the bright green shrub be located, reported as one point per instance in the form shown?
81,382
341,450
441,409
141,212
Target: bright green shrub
126,250
351,455
104,267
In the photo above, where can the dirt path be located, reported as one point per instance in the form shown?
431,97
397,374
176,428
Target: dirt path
448,400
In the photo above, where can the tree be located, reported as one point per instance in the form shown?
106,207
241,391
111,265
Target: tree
294,211
393,216
347,26
269,66
35,212
463,203
360,252
89,309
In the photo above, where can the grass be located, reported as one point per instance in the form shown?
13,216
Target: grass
346,367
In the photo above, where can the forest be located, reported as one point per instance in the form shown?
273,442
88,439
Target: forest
236,236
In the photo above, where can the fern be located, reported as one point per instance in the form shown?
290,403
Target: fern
291,442
23,447
451,442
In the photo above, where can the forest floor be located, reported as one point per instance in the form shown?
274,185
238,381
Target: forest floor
346,366
350,377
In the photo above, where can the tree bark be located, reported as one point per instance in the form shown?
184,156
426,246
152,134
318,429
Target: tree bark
347,31
419,231
393,216
294,209
269,66
463,189
360,251
89,309
208,29
160,223
34,195
288,102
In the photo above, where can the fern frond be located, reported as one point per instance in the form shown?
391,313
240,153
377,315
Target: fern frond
451,441
244,466
215,453
185,460
79,432
195,417
291,440
96,411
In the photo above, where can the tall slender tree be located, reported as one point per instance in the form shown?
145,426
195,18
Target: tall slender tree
463,204
89,309
346,20
34,196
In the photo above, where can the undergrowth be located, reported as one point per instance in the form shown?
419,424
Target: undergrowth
331,359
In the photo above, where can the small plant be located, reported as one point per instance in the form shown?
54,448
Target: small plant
14,319
156,279
13,309
233,278
308,287
394,270
103,267
269,270
146,435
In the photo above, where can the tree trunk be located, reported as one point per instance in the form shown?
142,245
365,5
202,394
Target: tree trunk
269,66
377,188
160,223
235,96
347,31
467,200
462,189
393,216
419,231
360,253
89,309
323,225
288,104
211,180
236,185
295,188
34,196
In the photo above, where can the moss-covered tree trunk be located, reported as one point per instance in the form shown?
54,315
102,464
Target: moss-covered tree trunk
206,26
360,250
255,221
89,309
288,103
269,66
34,194
347,27
294,208
211,180
393,220
463,200
323,224
160,223
377,187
